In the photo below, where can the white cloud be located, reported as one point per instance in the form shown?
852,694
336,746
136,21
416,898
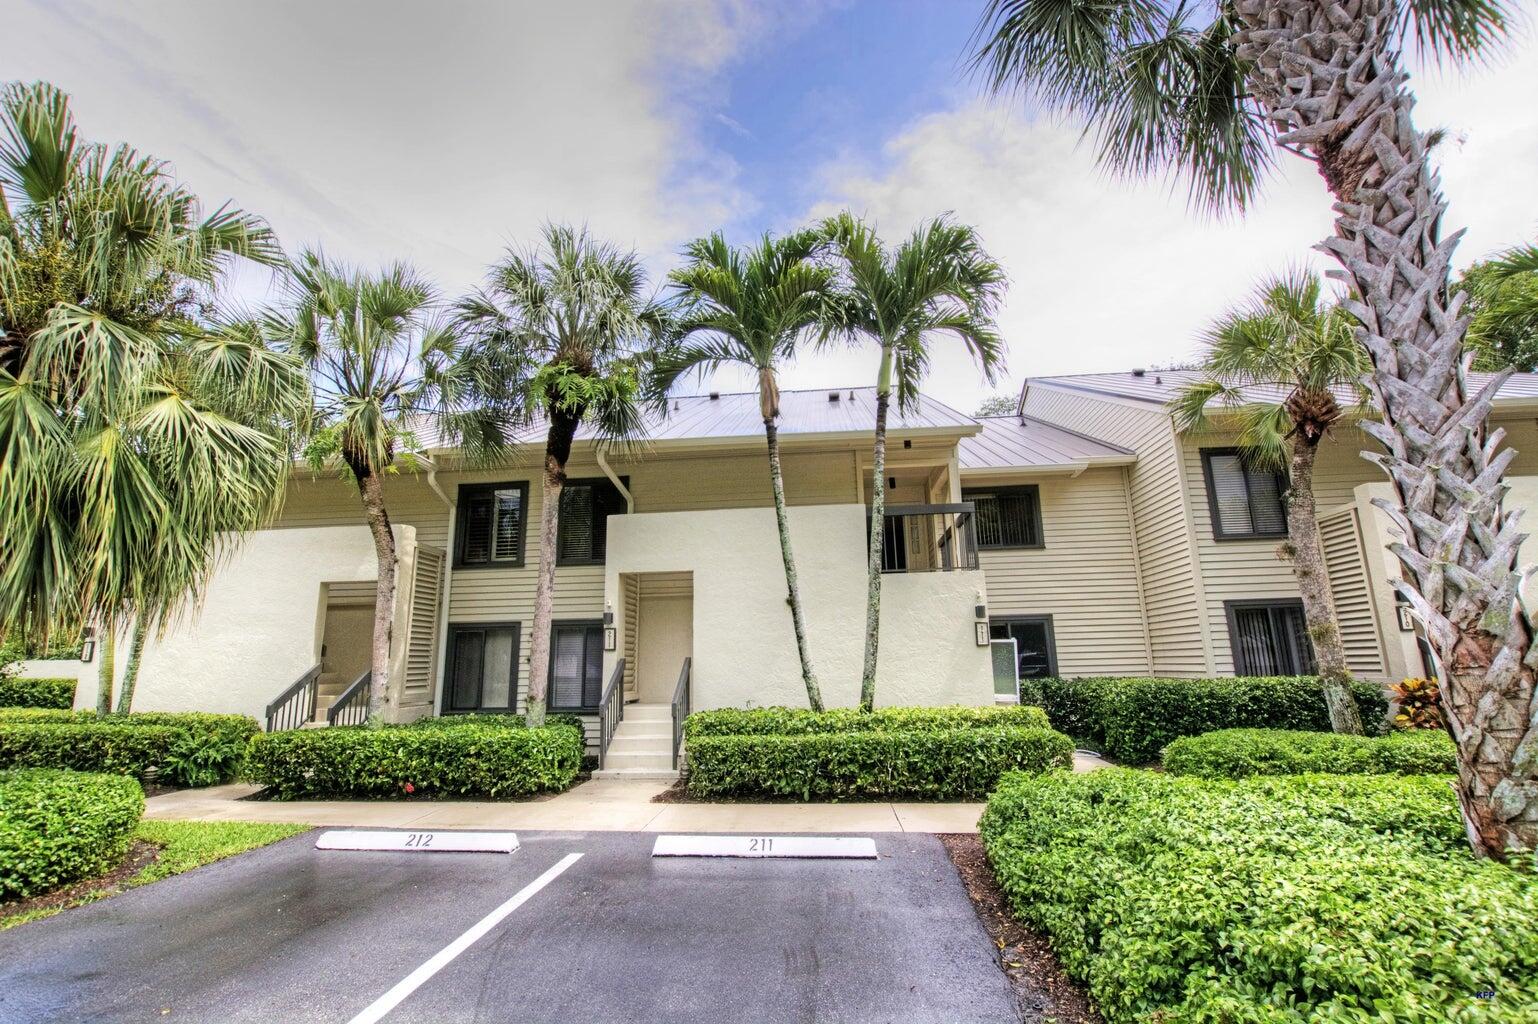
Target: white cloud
433,132
1108,274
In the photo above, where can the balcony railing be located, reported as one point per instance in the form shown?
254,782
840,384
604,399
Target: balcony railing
929,538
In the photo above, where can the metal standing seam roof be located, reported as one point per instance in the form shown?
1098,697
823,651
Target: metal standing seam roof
1024,442
1160,386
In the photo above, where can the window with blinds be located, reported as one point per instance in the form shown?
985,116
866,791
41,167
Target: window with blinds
483,668
1246,502
1269,638
576,666
491,524
586,505
1006,517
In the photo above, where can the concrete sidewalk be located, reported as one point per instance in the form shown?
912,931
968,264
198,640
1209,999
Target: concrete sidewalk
600,805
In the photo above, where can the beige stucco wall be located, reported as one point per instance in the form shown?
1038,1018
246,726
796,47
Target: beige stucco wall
744,645
256,630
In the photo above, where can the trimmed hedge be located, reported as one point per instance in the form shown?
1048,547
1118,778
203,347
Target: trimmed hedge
935,764
1306,898
782,721
494,720
187,748
21,692
458,759
57,827
1131,719
1240,753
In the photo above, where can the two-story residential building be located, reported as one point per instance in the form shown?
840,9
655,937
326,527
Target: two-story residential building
1086,527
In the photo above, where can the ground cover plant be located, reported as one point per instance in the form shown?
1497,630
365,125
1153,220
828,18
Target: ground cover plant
948,753
1240,753
1306,898
1131,719
58,826
447,758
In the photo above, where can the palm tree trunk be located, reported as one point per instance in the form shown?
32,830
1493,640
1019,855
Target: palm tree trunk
563,428
1329,76
125,697
877,533
1307,551
106,669
777,478
384,597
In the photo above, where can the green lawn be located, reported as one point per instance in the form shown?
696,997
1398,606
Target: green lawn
184,845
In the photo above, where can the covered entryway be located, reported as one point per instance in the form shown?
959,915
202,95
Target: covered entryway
658,632
346,641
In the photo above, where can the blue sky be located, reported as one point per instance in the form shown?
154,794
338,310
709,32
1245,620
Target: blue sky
442,132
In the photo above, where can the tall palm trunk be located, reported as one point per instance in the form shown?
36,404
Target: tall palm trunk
125,697
107,669
877,534
563,428
777,478
1329,77
1307,550
384,597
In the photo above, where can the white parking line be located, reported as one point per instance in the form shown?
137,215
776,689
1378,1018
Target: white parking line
391,999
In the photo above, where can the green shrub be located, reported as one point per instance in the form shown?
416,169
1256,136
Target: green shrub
935,764
207,749
20,692
57,827
496,721
1131,719
1296,899
460,759
781,721
1239,753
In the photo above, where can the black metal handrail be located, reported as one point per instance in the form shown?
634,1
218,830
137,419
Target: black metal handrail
611,709
295,705
929,538
351,707
680,709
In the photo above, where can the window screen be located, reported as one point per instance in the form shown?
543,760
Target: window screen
1034,644
483,666
1244,501
491,524
1006,517
1270,639
576,665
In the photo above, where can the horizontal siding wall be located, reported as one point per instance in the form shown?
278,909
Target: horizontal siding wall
1240,570
1170,592
1084,575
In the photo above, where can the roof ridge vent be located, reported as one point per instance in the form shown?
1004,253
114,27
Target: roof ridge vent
1138,372
715,396
833,396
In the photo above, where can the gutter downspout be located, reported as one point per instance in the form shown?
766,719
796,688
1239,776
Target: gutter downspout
614,479
448,586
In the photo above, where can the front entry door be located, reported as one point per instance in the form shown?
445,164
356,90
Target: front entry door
664,640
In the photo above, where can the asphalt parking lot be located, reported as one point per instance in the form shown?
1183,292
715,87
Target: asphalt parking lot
598,931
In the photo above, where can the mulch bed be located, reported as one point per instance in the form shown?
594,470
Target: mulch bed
140,856
1042,991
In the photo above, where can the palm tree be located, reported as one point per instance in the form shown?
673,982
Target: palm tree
384,366
939,281
1503,301
1211,94
564,332
1290,338
128,453
750,307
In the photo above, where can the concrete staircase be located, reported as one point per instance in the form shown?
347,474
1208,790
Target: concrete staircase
328,687
642,747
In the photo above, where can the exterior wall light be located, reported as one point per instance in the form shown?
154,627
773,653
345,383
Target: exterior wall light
981,625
